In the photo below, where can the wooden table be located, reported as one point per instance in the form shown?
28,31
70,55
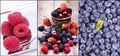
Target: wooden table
44,9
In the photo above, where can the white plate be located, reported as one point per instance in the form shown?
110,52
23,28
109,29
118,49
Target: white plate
29,10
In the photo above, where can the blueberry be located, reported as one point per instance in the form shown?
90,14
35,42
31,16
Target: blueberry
94,31
96,42
105,29
92,17
88,49
108,45
100,10
90,3
93,6
89,9
108,35
108,4
105,24
91,35
96,14
112,0
109,16
83,28
101,41
118,34
113,39
83,40
111,27
114,20
107,40
103,53
92,25
82,47
118,11
81,3
115,46
97,51
87,14
107,11
89,42
97,1
92,54
89,30
109,22
114,54
58,10
113,32
100,32
117,27
99,4
94,47
118,49
84,35
86,20
75,41
98,36
103,16
102,47
117,4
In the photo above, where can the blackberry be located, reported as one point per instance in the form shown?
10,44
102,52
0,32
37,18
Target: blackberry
49,45
60,36
61,47
69,10
41,28
58,10
55,14
64,40
64,33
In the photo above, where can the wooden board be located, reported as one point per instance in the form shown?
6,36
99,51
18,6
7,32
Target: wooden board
44,9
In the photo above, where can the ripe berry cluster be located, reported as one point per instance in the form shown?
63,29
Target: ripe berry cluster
105,41
58,38
15,31
62,12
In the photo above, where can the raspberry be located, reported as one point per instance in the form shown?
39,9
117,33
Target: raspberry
67,50
26,38
15,18
56,50
12,43
21,30
25,21
7,29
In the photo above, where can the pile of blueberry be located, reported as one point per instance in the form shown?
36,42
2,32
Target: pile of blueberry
106,41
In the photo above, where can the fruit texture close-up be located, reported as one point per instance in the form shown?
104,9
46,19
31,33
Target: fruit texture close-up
99,27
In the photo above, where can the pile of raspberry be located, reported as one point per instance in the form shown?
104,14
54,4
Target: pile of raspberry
15,32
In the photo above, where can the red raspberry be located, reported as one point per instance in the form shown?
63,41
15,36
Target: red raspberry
67,50
7,29
70,42
56,50
21,30
15,18
66,45
25,21
12,43
26,38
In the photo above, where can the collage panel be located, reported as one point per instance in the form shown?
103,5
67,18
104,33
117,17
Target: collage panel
18,28
57,28
99,27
